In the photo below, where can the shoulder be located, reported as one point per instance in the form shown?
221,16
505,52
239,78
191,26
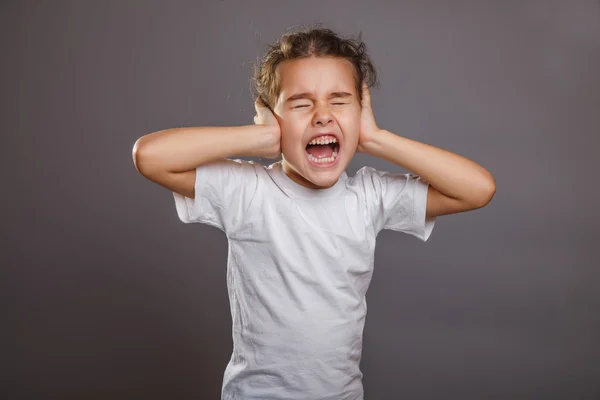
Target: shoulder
233,167
363,175
377,184
229,163
368,178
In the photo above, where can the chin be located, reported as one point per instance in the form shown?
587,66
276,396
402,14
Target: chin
326,180
323,175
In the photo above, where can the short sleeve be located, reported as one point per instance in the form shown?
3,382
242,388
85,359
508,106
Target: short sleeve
398,202
223,191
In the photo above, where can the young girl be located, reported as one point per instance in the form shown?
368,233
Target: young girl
301,232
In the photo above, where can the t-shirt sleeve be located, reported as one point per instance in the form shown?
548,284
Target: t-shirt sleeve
223,191
398,202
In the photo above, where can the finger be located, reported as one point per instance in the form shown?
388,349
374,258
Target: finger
258,104
366,95
365,88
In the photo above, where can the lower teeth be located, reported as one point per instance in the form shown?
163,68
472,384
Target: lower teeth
322,160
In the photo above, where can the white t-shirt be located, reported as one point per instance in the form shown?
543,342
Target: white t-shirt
300,262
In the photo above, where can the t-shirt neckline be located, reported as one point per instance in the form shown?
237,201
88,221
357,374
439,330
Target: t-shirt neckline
291,187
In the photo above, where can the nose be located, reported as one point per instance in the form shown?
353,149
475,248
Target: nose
322,116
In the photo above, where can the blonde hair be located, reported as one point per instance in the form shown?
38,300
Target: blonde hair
305,42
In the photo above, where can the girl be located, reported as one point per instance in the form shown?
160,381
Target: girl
301,232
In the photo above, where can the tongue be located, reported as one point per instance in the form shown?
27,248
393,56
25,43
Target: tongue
320,151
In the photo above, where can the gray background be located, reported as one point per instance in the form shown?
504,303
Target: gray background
111,297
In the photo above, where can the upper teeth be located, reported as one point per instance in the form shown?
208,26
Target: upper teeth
323,140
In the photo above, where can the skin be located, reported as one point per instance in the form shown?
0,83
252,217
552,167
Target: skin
457,184
321,110
169,157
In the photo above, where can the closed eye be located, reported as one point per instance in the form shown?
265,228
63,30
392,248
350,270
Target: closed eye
307,105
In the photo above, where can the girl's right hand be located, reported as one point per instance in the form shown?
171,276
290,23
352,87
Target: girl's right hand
264,116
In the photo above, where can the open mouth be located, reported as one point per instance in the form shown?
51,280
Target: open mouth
323,150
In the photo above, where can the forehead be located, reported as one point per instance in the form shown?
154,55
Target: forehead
319,75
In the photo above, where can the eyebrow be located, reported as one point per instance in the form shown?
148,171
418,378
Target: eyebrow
305,95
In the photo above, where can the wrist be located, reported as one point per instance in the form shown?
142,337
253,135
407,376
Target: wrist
373,143
261,141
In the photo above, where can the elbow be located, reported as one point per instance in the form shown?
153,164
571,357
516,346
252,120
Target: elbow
140,155
486,189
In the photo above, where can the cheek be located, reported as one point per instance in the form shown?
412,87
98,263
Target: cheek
350,126
290,137
292,132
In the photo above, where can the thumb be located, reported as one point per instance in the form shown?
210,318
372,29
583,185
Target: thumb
259,105
259,108
264,115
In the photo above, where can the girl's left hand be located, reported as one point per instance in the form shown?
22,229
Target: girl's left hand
368,126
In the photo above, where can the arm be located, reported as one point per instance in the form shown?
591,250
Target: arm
170,157
457,184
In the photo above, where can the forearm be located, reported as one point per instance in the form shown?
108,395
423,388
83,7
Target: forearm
451,174
183,149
